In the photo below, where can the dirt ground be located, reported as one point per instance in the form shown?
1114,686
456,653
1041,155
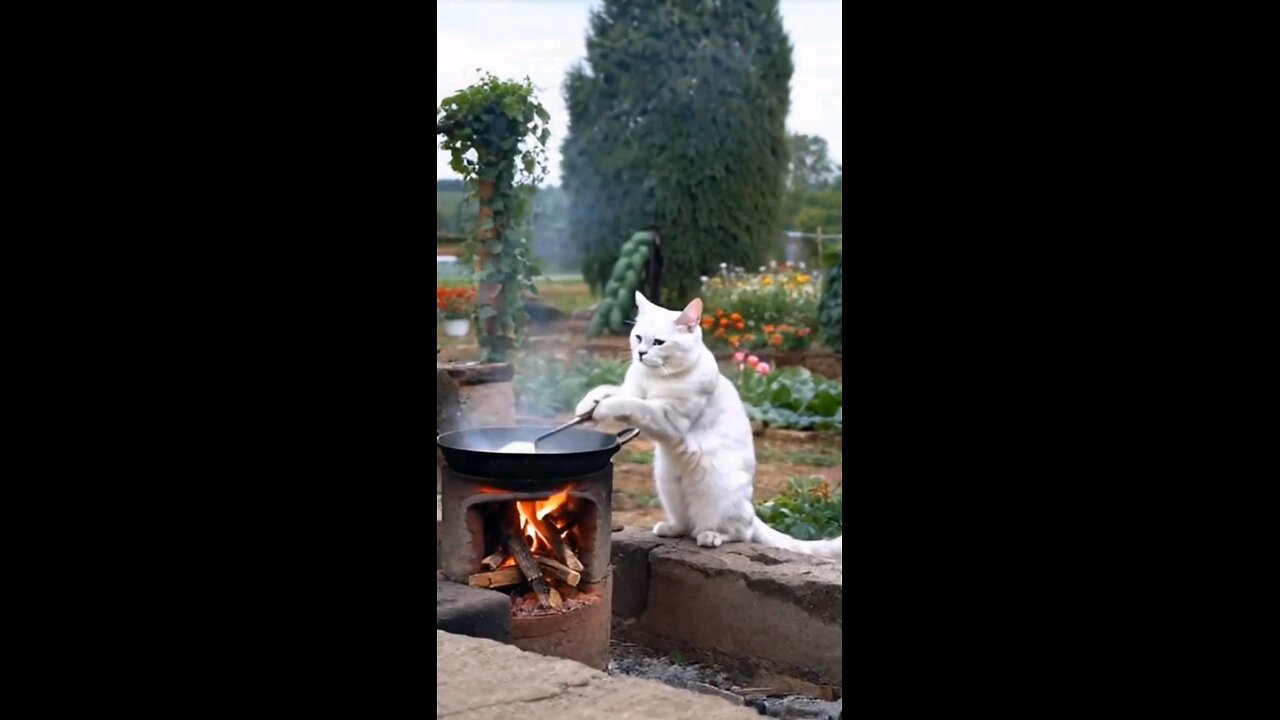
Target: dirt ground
635,500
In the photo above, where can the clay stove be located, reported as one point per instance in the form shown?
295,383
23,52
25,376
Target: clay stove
546,544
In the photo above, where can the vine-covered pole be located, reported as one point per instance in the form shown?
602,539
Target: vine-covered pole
486,127
487,232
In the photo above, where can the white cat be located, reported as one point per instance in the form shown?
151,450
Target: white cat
705,461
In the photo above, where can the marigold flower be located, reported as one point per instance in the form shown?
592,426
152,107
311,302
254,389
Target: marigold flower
775,340
455,302
739,325
724,322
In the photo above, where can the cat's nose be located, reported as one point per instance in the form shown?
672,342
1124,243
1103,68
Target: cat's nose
642,352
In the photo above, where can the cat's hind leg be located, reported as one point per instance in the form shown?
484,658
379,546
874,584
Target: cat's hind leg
732,531
717,516
672,496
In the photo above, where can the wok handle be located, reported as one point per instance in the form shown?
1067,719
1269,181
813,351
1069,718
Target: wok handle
626,435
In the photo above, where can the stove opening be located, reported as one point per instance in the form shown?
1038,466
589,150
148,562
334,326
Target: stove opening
540,551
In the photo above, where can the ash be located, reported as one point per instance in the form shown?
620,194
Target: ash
526,605
636,661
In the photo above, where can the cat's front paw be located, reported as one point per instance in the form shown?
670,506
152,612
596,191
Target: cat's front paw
593,398
710,538
666,529
612,408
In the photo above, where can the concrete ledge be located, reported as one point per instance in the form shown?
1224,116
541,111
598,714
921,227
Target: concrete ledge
472,611
758,612
479,679
630,557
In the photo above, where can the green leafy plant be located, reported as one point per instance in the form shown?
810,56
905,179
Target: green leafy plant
808,510
496,133
792,398
831,314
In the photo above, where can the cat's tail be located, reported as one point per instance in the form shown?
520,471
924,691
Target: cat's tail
765,535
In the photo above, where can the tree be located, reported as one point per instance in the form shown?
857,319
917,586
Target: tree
814,186
677,123
819,209
811,166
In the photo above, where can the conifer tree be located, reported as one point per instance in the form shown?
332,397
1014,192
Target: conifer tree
677,122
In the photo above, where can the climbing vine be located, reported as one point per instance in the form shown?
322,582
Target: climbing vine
496,133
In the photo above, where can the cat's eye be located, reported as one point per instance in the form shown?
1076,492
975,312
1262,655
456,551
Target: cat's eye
639,339
656,341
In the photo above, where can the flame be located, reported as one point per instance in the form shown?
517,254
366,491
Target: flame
530,509
551,503
526,512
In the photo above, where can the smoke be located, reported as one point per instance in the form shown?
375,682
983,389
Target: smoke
554,372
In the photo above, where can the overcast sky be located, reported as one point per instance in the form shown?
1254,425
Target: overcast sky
544,38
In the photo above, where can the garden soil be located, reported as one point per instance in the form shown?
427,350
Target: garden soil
635,497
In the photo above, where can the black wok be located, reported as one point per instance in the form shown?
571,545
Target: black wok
568,453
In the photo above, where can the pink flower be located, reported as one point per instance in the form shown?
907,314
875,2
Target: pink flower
763,368
739,356
752,360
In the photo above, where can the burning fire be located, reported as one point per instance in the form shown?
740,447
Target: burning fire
530,509
531,547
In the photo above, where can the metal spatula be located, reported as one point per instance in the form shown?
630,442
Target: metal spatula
580,419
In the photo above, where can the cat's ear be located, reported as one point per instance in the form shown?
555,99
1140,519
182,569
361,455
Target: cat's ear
642,302
691,316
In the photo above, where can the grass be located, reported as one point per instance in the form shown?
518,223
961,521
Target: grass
642,457
643,499
819,458
567,293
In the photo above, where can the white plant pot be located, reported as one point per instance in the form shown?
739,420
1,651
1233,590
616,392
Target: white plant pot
457,328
